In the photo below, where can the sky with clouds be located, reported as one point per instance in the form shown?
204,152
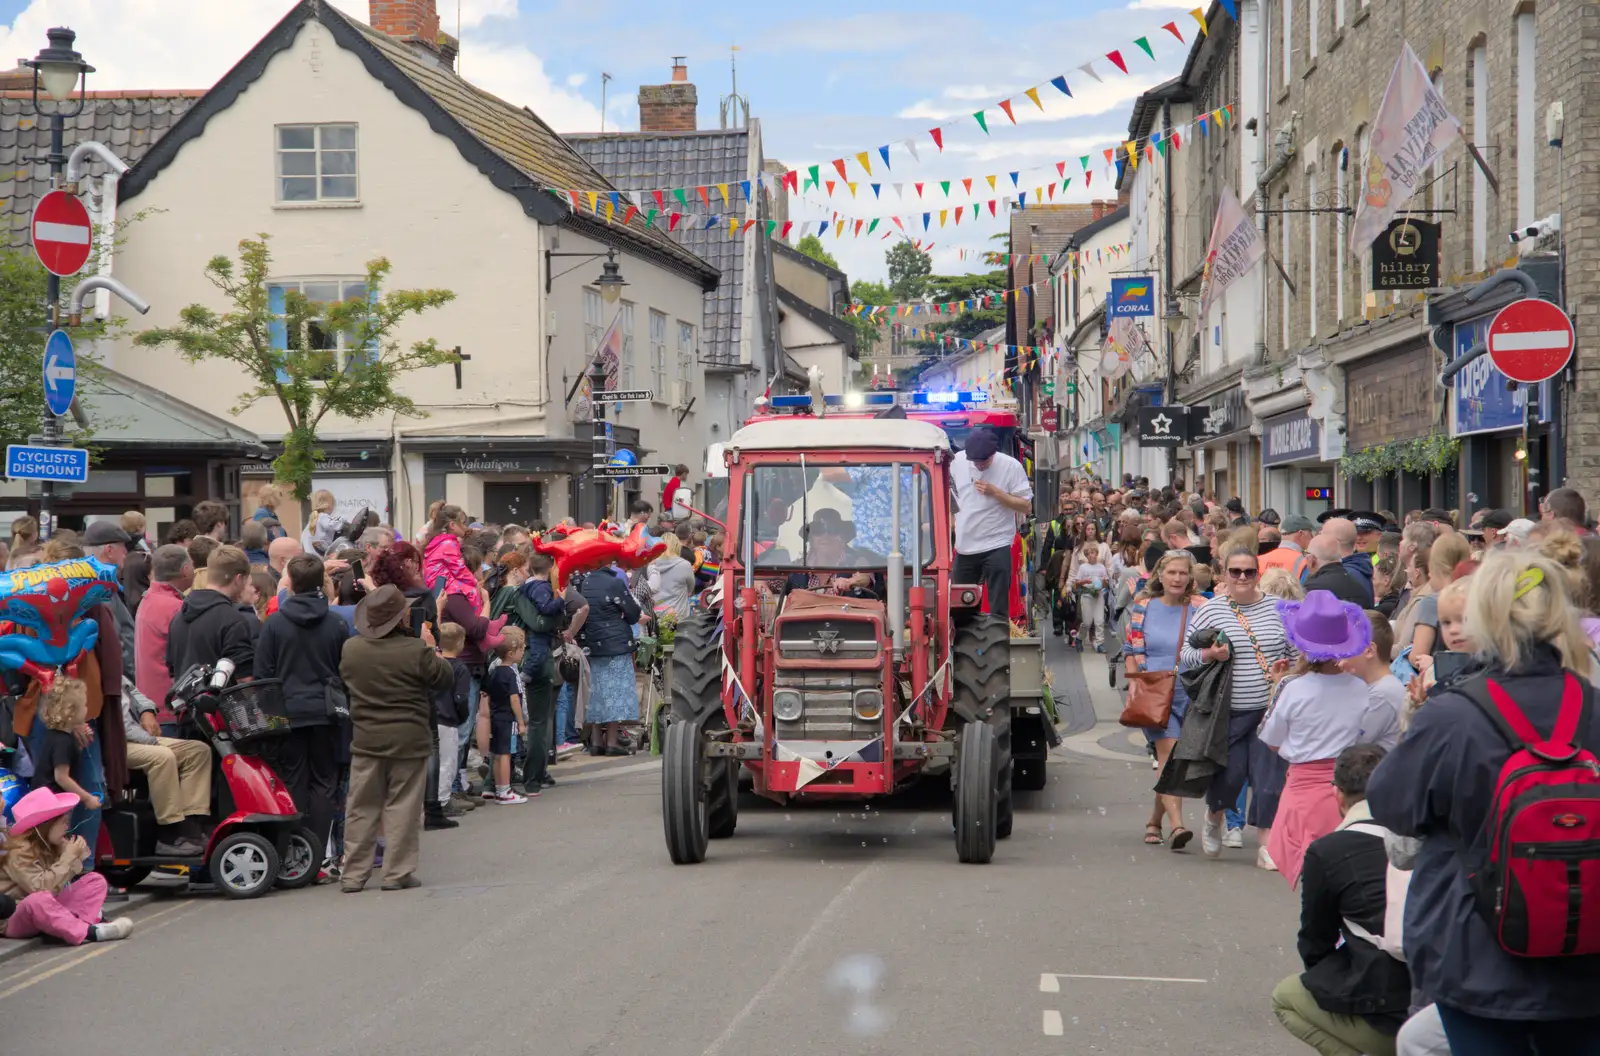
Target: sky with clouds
826,78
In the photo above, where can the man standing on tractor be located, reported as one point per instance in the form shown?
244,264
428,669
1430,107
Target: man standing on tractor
991,493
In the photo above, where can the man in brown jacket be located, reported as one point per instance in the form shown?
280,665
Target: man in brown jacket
390,676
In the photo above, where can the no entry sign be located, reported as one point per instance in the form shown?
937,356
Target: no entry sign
1530,340
61,233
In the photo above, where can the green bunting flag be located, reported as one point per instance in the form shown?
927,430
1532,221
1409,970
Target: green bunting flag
945,185
1144,46
983,124
682,200
650,219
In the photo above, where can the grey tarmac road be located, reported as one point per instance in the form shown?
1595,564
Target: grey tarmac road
561,928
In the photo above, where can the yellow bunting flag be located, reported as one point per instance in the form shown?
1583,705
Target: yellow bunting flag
852,187
866,161
733,226
991,182
1133,153
942,214
722,189
594,196
1033,93
1199,14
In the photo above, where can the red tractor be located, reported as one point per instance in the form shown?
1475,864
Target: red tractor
841,660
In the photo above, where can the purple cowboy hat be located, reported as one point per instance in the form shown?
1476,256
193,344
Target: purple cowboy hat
1324,628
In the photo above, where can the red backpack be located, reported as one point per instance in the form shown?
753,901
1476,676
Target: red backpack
1544,830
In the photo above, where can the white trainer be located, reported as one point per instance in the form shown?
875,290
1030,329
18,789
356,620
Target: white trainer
1211,838
1234,838
1264,860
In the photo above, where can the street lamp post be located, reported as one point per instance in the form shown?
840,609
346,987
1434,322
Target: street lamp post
58,69
1173,319
610,284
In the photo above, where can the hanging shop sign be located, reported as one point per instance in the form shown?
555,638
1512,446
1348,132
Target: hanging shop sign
1406,256
1134,295
1163,426
1290,438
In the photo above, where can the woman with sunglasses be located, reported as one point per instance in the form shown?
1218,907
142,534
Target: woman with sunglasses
1255,641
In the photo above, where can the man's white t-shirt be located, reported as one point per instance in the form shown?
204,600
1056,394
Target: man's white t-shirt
982,523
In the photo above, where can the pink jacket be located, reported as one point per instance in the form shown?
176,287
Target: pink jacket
154,620
442,557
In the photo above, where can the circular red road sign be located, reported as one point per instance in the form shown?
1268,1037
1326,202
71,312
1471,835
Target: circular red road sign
62,234
1531,340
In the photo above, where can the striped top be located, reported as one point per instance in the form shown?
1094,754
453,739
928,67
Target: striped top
1251,690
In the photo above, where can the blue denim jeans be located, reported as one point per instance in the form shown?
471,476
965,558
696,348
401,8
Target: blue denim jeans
1235,813
89,772
467,731
565,702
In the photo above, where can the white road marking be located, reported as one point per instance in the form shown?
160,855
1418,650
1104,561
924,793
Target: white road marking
796,952
1052,1023
1050,982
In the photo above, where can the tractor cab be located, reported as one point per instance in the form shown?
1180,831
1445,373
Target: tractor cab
842,661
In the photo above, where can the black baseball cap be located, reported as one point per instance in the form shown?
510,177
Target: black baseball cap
1499,520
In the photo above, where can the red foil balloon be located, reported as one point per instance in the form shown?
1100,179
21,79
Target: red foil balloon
589,549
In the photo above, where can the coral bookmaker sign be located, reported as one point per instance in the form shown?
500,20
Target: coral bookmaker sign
1290,438
1133,296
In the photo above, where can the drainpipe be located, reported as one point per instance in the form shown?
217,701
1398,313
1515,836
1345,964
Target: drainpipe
1166,280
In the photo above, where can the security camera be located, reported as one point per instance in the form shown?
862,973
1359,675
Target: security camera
1538,229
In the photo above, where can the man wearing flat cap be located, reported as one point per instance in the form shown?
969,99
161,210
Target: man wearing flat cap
992,494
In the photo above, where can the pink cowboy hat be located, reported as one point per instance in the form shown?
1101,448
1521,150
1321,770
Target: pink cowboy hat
1325,628
40,807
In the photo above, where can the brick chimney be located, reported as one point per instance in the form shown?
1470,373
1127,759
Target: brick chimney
668,107
416,24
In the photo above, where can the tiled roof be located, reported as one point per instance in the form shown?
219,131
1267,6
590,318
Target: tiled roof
127,122
644,161
518,152
126,412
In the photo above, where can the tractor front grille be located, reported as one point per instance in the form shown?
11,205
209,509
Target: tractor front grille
828,712
816,638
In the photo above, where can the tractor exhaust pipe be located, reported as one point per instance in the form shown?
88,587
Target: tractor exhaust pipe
896,572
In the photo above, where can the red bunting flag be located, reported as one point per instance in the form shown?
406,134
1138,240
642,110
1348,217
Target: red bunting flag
991,206
792,178
1177,144
787,226
672,224
574,196
748,224
704,196
1110,154
967,183
897,223
1088,177
918,186
1050,190
1061,168
1116,60
630,213
938,137
1172,27
838,163
830,185
1005,104
661,206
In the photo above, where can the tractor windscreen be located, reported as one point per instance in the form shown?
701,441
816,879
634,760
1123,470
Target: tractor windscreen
837,516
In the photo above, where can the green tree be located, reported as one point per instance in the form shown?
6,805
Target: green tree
290,355
909,268
868,328
812,247
22,337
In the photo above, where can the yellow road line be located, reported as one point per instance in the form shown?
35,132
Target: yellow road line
76,958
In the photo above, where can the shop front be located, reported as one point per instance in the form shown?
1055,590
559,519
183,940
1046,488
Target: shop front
356,472
1491,418
1396,449
1297,479
1222,452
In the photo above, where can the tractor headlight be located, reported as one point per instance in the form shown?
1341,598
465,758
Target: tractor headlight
786,704
868,704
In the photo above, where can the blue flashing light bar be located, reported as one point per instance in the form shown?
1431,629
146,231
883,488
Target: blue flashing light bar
790,401
924,398
860,399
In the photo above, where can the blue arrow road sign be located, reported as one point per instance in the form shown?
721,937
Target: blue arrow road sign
67,465
60,373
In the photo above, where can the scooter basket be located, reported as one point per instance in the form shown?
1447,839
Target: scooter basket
254,711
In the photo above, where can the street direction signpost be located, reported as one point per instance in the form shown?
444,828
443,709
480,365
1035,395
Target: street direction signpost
60,373
1531,340
626,472
62,234
627,395
62,465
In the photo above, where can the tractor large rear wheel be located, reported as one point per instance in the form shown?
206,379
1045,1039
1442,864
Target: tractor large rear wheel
684,813
977,792
982,680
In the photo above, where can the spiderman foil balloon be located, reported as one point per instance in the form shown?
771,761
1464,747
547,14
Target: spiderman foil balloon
43,614
589,548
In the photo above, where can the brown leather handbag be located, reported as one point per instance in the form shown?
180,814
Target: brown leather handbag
1150,692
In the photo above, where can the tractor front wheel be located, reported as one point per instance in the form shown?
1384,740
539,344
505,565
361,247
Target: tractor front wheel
983,688
977,805
684,812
